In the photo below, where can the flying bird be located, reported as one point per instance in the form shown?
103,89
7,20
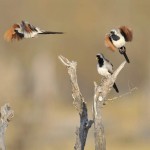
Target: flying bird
117,39
24,30
105,68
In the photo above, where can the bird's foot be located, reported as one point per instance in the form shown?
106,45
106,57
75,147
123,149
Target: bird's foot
122,50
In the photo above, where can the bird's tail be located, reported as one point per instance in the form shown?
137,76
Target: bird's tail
51,32
126,57
122,51
115,87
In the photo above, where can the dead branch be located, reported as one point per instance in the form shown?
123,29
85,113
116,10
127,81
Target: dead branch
99,100
6,114
123,95
76,94
79,103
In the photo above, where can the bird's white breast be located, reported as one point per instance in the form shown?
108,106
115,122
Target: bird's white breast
102,71
119,43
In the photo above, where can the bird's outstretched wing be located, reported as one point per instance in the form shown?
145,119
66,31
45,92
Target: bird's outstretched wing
12,33
127,33
108,43
25,30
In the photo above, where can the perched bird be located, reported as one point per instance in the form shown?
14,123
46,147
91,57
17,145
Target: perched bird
105,68
117,39
24,30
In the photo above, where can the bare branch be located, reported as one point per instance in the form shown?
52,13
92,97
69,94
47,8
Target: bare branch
99,100
76,94
123,95
79,103
117,71
6,116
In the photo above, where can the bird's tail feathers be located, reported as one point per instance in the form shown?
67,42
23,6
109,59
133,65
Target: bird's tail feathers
126,57
50,32
115,87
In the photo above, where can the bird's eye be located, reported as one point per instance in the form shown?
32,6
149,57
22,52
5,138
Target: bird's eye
112,32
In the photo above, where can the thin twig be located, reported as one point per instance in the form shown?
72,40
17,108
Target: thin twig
123,95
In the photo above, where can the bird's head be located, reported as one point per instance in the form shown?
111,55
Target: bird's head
113,32
100,59
99,56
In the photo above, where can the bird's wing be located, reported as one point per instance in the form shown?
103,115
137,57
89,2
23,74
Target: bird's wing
108,43
110,69
29,30
109,62
127,33
12,33
109,66
25,27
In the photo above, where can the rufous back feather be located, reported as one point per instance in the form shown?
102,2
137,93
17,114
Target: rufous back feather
8,36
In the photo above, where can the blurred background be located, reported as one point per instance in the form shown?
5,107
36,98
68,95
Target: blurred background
36,84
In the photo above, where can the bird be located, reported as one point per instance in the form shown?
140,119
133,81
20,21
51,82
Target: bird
24,30
117,39
105,68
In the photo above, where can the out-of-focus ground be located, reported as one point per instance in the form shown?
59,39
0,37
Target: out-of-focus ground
37,86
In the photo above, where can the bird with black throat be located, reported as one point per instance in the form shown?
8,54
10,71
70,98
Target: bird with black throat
105,68
117,39
25,30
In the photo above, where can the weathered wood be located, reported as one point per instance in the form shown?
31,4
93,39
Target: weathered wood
80,105
101,91
6,114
